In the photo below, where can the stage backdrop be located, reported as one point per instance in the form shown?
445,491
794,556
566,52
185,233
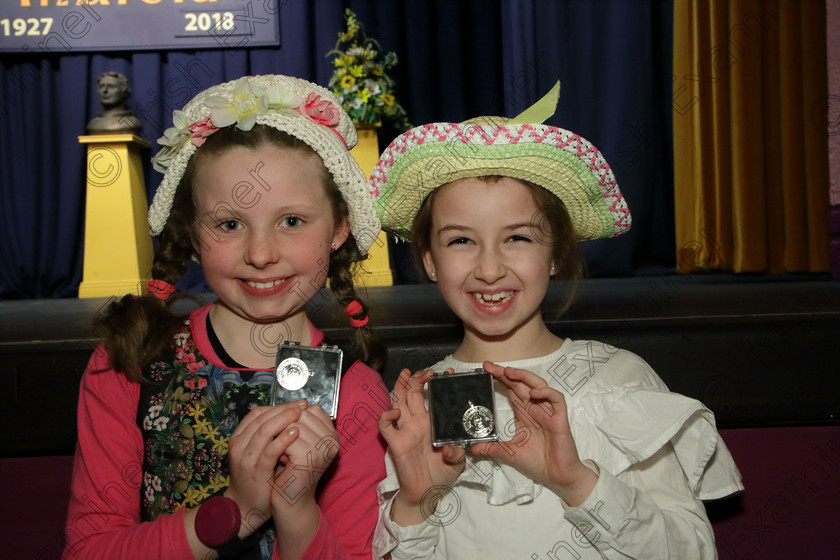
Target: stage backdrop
457,60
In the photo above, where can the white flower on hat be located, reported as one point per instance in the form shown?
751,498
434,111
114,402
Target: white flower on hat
243,111
172,140
174,134
277,97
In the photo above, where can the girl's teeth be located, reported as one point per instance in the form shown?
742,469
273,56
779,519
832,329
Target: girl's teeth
263,285
494,298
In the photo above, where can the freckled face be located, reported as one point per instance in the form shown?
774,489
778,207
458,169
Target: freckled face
264,244
492,270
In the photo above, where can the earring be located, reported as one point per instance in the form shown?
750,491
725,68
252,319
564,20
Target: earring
551,272
332,247
432,275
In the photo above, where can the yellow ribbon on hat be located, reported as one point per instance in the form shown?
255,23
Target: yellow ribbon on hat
540,111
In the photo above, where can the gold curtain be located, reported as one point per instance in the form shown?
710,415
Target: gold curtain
750,150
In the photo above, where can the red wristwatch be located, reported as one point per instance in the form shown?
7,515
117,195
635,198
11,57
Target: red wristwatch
217,521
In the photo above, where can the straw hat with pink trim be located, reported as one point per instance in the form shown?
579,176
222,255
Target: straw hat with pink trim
426,157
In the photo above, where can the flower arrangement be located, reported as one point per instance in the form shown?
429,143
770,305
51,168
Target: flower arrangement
359,80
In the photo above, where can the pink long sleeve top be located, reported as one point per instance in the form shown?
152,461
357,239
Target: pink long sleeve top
110,488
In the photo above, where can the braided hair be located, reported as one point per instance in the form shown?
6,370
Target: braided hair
136,329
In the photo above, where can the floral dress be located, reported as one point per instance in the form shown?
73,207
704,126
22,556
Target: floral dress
187,412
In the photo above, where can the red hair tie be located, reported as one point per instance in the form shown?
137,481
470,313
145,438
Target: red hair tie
161,289
353,308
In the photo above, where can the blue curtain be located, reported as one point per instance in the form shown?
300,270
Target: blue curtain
614,59
458,59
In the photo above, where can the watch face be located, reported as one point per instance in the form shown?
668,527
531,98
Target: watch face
292,374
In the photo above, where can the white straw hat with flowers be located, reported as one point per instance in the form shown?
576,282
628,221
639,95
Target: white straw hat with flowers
569,166
300,108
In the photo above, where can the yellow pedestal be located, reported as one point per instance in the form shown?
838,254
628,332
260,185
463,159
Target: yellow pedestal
118,248
377,268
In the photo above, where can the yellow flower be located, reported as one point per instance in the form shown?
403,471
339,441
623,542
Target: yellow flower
220,444
196,411
338,62
218,483
202,427
347,81
193,496
352,24
357,71
364,95
387,99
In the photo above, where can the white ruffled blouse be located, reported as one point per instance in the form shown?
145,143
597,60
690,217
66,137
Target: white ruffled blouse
657,455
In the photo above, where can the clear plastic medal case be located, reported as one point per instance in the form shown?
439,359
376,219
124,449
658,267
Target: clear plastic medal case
462,408
307,372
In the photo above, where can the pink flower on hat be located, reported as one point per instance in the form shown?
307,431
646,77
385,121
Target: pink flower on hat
200,130
319,111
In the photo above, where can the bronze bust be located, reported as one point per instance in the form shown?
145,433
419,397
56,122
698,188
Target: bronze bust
113,91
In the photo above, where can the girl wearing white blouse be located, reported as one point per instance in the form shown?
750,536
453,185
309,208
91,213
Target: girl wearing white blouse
596,458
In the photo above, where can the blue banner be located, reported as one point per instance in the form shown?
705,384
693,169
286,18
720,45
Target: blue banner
62,26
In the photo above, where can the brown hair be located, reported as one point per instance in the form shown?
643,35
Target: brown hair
138,328
551,225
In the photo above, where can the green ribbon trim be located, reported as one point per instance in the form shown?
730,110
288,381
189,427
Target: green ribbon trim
540,111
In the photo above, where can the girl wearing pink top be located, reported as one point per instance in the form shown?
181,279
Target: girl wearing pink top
179,455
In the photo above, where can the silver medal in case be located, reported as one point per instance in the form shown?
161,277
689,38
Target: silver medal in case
477,421
292,374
